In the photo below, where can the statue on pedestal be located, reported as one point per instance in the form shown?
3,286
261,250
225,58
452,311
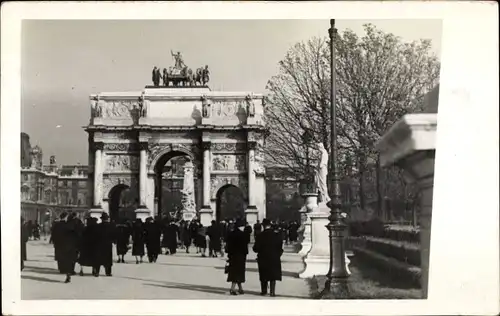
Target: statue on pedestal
188,199
205,106
321,173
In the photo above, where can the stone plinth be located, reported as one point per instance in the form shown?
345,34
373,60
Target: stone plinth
142,213
410,144
206,216
310,203
251,215
317,260
96,212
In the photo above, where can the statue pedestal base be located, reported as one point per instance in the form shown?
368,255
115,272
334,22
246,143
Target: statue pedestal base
306,241
142,213
96,212
206,216
251,215
188,216
317,260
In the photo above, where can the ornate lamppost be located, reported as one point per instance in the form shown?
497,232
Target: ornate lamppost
336,283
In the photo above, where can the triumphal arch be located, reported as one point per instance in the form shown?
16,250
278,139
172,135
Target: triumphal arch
133,134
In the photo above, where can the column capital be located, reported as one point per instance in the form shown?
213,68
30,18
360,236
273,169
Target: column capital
251,145
206,145
98,146
143,145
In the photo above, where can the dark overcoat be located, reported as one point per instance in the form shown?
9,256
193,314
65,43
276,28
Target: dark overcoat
107,236
24,239
215,234
269,248
153,238
122,239
57,230
138,238
185,235
67,244
170,236
89,245
237,251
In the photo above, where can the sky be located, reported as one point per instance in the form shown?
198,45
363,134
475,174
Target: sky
63,62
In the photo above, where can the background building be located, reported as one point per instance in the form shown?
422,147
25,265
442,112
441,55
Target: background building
47,190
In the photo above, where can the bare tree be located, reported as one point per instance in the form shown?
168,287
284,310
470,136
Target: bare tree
379,79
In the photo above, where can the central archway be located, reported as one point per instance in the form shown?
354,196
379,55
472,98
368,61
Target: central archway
169,181
122,203
230,203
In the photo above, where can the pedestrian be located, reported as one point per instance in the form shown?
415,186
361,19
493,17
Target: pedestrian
68,245
88,246
29,226
36,231
215,235
257,229
24,240
193,232
185,236
171,238
237,251
56,236
269,248
106,235
152,238
122,241
138,240
201,239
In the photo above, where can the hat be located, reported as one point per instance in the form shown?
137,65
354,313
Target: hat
239,223
266,222
104,216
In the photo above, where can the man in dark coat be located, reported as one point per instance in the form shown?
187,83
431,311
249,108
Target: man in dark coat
104,250
56,236
24,239
257,229
215,235
138,238
171,238
153,238
88,246
67,243
269,248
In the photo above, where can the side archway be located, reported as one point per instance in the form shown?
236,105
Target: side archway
230,203
122,203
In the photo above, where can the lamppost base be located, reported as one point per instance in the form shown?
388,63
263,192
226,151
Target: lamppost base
336,288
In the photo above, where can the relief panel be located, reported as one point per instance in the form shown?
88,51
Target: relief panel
221,162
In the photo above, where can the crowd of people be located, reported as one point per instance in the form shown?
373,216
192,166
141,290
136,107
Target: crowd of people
91,244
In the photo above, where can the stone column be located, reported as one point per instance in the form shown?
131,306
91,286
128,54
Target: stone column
206,212
251,213
142,211
96,209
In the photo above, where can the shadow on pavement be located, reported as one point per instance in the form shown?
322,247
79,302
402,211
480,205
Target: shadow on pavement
186,265
34,278
41,270
211,289
283,273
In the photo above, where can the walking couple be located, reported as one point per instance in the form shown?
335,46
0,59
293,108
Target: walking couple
269,248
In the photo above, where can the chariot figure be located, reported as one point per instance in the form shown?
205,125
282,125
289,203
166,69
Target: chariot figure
179,61
205,75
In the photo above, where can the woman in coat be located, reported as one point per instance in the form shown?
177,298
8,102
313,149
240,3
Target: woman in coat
269,248
122,241
237,251
138,238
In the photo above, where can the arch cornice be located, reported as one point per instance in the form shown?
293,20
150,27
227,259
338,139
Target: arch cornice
219,181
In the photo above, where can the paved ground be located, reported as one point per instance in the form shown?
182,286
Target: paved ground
182,276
